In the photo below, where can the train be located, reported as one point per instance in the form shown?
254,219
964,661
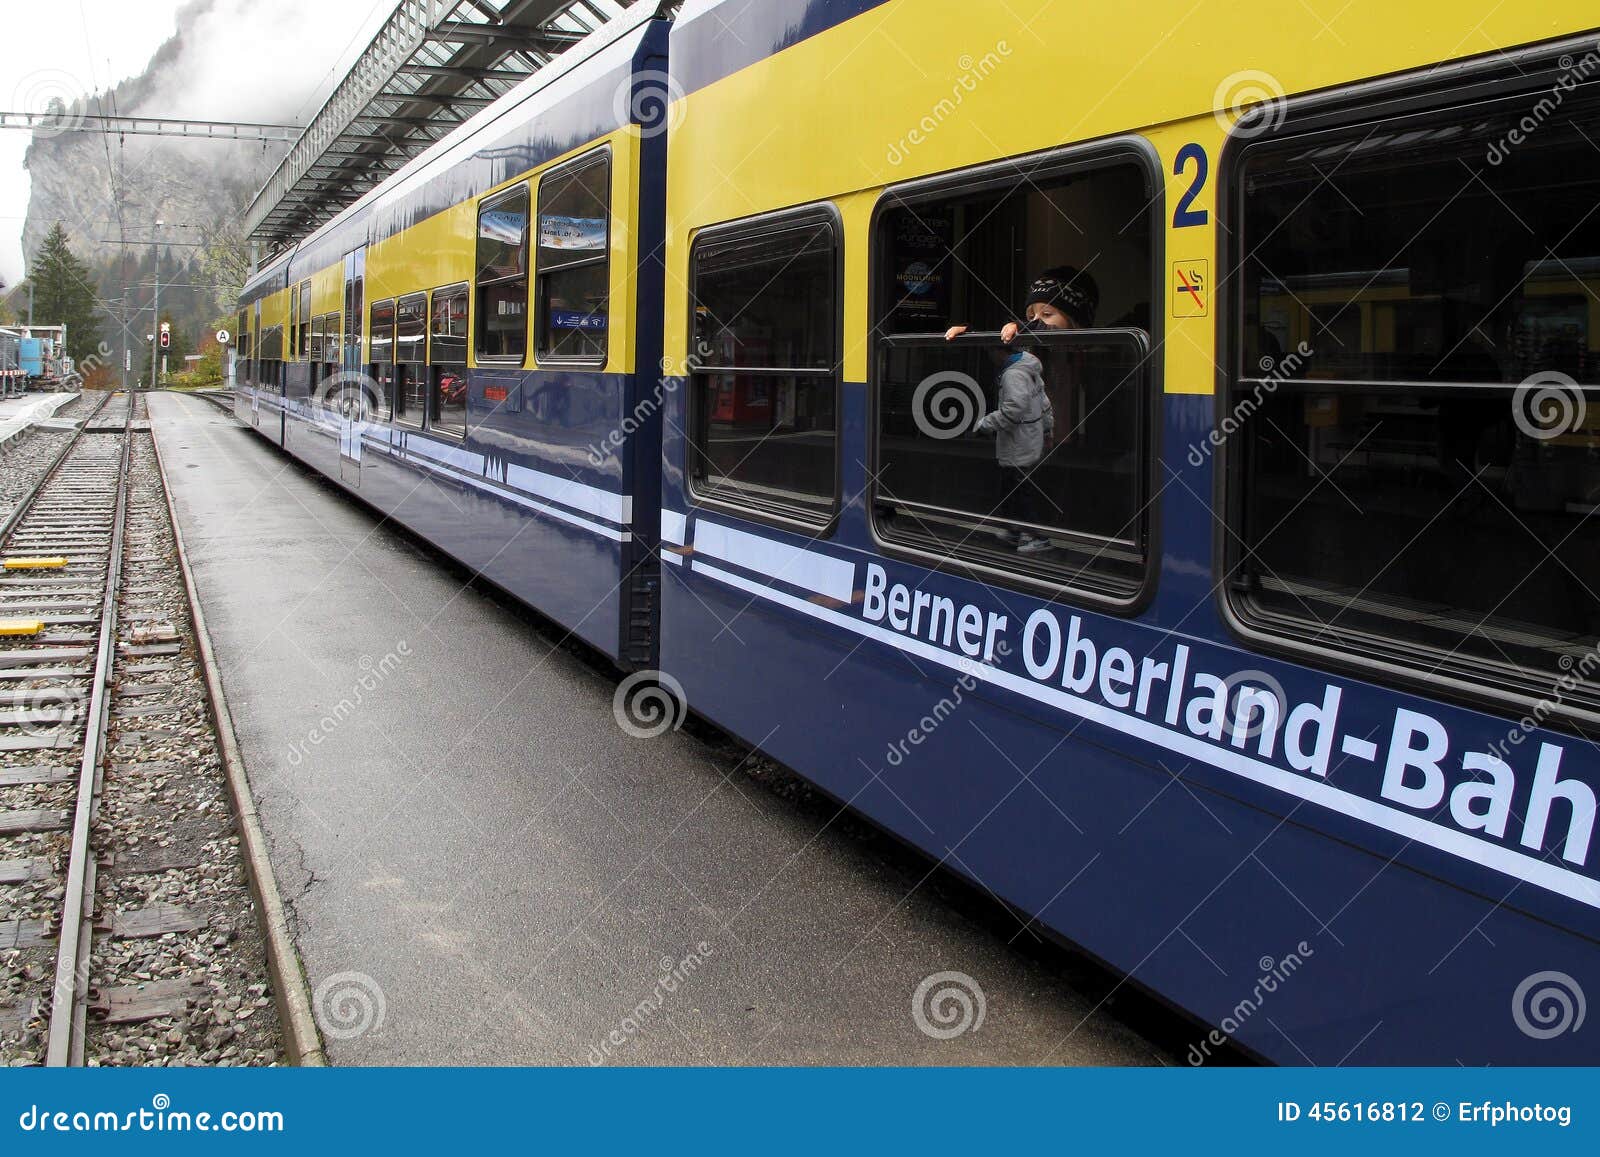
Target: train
11,376
34,357
1157,490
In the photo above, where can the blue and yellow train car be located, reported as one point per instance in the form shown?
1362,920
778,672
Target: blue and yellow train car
1137,455
460,346
1271,682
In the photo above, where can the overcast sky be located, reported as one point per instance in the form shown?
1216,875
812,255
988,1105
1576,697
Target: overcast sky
68,46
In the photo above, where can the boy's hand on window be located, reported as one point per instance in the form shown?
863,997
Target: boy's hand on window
954,332
1008,334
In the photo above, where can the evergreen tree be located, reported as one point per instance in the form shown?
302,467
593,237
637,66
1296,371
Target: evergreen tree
64,293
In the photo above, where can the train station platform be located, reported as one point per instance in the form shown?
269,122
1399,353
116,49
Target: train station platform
19,413
484,868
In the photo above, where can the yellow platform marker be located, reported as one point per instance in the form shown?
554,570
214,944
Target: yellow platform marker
35,563
14,627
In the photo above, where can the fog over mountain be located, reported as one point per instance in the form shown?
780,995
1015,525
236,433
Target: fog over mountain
231,60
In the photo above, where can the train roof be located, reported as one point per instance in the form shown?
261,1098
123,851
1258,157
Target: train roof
544,92
712,39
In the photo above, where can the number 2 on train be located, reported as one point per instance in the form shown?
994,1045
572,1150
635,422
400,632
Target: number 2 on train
1186,215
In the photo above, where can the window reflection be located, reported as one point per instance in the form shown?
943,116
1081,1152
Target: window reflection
1430,477
502,277
574,275
448,353
766,352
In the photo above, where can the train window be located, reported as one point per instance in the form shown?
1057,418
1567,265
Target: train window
410,355
242,338
330,359
447,351
502,277
294,320
1415,384
303,339
318,329
574,283
1030,457
382,343
383,332
352,321
765,386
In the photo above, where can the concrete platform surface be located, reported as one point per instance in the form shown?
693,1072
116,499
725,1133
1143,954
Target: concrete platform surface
17,414
483,868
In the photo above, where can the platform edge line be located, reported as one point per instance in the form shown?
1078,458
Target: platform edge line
290,988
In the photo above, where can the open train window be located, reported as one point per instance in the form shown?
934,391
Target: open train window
573,267
411,358
1414,375
382,343
447,355
502,277
1030,457
764,393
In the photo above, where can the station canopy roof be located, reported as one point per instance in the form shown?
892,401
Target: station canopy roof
432,65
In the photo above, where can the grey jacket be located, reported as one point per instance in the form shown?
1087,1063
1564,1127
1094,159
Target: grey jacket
1024,415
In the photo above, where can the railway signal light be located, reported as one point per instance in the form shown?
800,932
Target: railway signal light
166,335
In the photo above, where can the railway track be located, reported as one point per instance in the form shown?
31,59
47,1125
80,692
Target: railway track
221,399
103,742
62,554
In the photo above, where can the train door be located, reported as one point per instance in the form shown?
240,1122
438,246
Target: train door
255,376
355,408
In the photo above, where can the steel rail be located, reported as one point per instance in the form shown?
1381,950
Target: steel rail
16,516
68,1004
